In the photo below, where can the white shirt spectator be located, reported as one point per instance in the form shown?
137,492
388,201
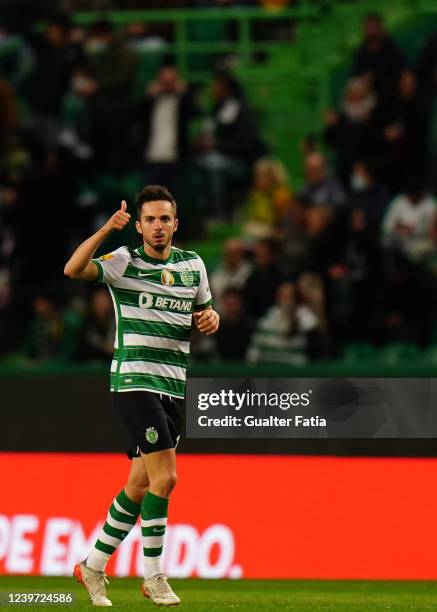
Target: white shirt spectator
408,225
279,340
163,130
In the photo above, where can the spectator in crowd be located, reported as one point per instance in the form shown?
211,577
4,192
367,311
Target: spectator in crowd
311,292
320,189
98,329
236,327
43,195
269,201
55,59
231,144
354,133
426,66
324,232
166,115
309,244
368,195
76,130
112,66
361,270
53,333
260,288
16,58
232,273
286,333
405,134
354,277
410,223
426,70
378,59
7,329
407,300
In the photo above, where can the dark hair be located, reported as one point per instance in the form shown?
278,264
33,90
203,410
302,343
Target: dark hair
230,82
154,193
370,165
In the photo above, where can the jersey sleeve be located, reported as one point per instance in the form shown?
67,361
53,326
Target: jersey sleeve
203,296
112,266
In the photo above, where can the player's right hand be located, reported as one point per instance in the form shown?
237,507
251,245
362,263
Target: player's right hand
118,220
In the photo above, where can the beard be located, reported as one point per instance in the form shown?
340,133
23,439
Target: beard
158,247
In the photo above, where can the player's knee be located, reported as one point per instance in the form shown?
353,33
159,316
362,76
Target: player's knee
164,484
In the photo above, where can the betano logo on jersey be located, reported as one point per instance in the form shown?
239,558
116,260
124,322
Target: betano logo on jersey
148,300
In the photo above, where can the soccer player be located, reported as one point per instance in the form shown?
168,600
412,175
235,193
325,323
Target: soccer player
156,290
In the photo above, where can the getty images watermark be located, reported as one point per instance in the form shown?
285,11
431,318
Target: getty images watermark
253,399
312,408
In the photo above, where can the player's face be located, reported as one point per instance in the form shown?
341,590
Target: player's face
157,224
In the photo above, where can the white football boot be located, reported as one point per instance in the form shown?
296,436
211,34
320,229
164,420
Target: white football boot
94,582
159,591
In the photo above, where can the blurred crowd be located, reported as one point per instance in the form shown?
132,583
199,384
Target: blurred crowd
350,256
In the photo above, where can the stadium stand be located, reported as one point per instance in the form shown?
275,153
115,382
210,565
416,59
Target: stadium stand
313,99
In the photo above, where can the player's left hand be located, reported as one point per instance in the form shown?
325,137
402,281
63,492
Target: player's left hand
207,321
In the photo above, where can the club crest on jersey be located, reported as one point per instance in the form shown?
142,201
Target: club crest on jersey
187,277
167,278
106,257
151,435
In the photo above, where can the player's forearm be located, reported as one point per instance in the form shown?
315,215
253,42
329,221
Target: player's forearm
84,253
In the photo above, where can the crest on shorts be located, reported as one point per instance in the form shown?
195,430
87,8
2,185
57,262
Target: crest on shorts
151,435
106,257
187,277
167,278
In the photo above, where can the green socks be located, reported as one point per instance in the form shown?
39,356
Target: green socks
154,511
122,516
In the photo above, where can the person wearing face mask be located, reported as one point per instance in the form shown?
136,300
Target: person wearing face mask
367,194
378,59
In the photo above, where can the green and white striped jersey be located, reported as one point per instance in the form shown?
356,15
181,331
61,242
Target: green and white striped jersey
153,301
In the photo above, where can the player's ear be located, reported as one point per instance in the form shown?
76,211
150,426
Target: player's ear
138,226
175,226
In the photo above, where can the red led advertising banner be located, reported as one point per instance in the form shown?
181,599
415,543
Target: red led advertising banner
230,516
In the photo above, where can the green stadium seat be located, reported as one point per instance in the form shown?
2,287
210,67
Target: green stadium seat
357,353
400,353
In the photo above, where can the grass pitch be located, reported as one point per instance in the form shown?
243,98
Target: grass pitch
241,596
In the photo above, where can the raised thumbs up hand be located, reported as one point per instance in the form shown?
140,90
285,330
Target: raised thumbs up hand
118,220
